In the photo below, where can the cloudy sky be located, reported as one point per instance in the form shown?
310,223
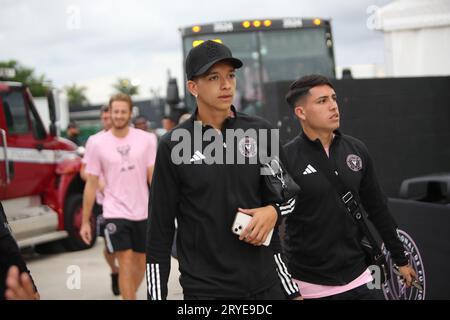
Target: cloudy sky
92,43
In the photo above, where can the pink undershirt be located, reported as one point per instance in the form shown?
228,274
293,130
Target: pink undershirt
314,291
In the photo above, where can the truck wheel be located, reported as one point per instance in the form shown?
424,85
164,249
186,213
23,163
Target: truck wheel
53,247
72,223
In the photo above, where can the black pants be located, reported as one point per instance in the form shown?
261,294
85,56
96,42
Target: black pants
273,293
359,293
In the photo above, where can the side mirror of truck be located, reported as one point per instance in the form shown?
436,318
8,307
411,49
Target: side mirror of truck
172,95
52,112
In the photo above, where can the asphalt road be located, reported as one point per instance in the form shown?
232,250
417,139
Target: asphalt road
84,275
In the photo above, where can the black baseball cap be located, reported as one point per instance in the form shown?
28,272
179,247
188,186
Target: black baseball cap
202,57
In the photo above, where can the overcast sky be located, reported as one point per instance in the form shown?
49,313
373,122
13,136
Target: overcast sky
92,43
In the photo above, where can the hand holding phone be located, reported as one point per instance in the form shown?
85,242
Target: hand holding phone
240,223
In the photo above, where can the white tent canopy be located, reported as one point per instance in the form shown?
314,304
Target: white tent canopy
417,37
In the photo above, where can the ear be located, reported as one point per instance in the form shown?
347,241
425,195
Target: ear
192,87
300,112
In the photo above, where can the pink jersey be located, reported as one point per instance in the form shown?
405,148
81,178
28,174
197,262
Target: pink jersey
124,163
99,195
314,291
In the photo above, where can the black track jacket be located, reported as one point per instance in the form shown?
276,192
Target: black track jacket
323,240
204,198
9,253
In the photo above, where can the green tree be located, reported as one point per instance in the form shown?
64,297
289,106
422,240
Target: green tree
38,84
76,95
126,86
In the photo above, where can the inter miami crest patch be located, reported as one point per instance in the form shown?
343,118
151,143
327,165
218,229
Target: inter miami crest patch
111,227
354,162
395,288
248,147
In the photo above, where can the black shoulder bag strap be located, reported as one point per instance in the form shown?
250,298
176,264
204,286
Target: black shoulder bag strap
348,199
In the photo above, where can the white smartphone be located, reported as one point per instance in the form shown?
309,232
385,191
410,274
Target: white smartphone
241,221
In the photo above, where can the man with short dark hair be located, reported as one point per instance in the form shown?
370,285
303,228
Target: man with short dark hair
168,122
110,257
204,195
141,122
73,133
323,240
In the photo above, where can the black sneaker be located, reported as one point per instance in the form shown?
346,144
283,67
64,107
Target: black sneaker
115,284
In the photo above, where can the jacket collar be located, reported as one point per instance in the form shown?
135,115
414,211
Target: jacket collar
337,137
232,116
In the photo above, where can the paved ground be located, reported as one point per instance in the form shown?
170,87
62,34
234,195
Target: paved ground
55,276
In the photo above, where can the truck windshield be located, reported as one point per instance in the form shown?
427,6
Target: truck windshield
19,114
15,112
269,56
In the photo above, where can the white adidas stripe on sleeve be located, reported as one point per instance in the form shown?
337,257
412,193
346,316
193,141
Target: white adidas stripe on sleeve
289,286
153,281
288,208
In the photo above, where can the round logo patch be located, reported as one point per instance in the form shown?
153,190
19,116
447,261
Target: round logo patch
395,288
354,162
111,227
248,147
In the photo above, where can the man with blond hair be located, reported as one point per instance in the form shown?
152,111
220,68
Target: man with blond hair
124,156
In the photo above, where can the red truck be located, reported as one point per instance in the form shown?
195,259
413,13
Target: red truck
40,184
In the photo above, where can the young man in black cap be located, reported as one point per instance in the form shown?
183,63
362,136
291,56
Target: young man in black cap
204,196
73,133
323,240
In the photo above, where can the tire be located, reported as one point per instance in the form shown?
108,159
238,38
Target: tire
50,247
72,224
